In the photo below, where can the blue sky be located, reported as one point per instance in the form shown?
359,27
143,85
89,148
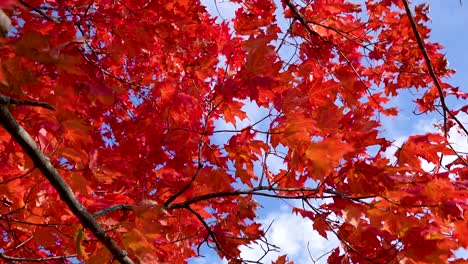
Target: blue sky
295,235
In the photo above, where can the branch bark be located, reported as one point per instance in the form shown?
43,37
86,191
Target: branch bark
66,194
16,259
5,100
111,209
435,79
307,193
431,70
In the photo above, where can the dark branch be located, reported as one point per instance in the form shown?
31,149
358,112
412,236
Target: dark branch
5,100
9,258
431,70
296,193
40,12
66,194
111,209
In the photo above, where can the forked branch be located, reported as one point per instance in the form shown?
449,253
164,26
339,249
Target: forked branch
66,194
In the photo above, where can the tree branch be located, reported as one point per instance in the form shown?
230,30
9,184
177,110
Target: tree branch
40,12
111,209
6,100
307,193
66,194
431,70
9,258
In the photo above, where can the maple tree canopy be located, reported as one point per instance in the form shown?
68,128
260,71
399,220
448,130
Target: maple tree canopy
111,112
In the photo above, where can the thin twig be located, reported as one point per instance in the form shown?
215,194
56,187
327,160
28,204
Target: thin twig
40,12
306,23
432,73
260,191
435,79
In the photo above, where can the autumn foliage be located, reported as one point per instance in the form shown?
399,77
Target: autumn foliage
144,91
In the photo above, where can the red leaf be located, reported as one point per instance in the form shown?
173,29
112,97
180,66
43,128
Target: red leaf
140,88
321,226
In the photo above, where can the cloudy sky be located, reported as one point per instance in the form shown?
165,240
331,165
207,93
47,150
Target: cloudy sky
294,235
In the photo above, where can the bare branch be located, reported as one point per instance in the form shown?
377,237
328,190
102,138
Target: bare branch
296,193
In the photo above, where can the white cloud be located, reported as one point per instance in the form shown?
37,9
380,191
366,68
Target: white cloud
275,164
294,236
223,10
457,139
456,136
390,152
